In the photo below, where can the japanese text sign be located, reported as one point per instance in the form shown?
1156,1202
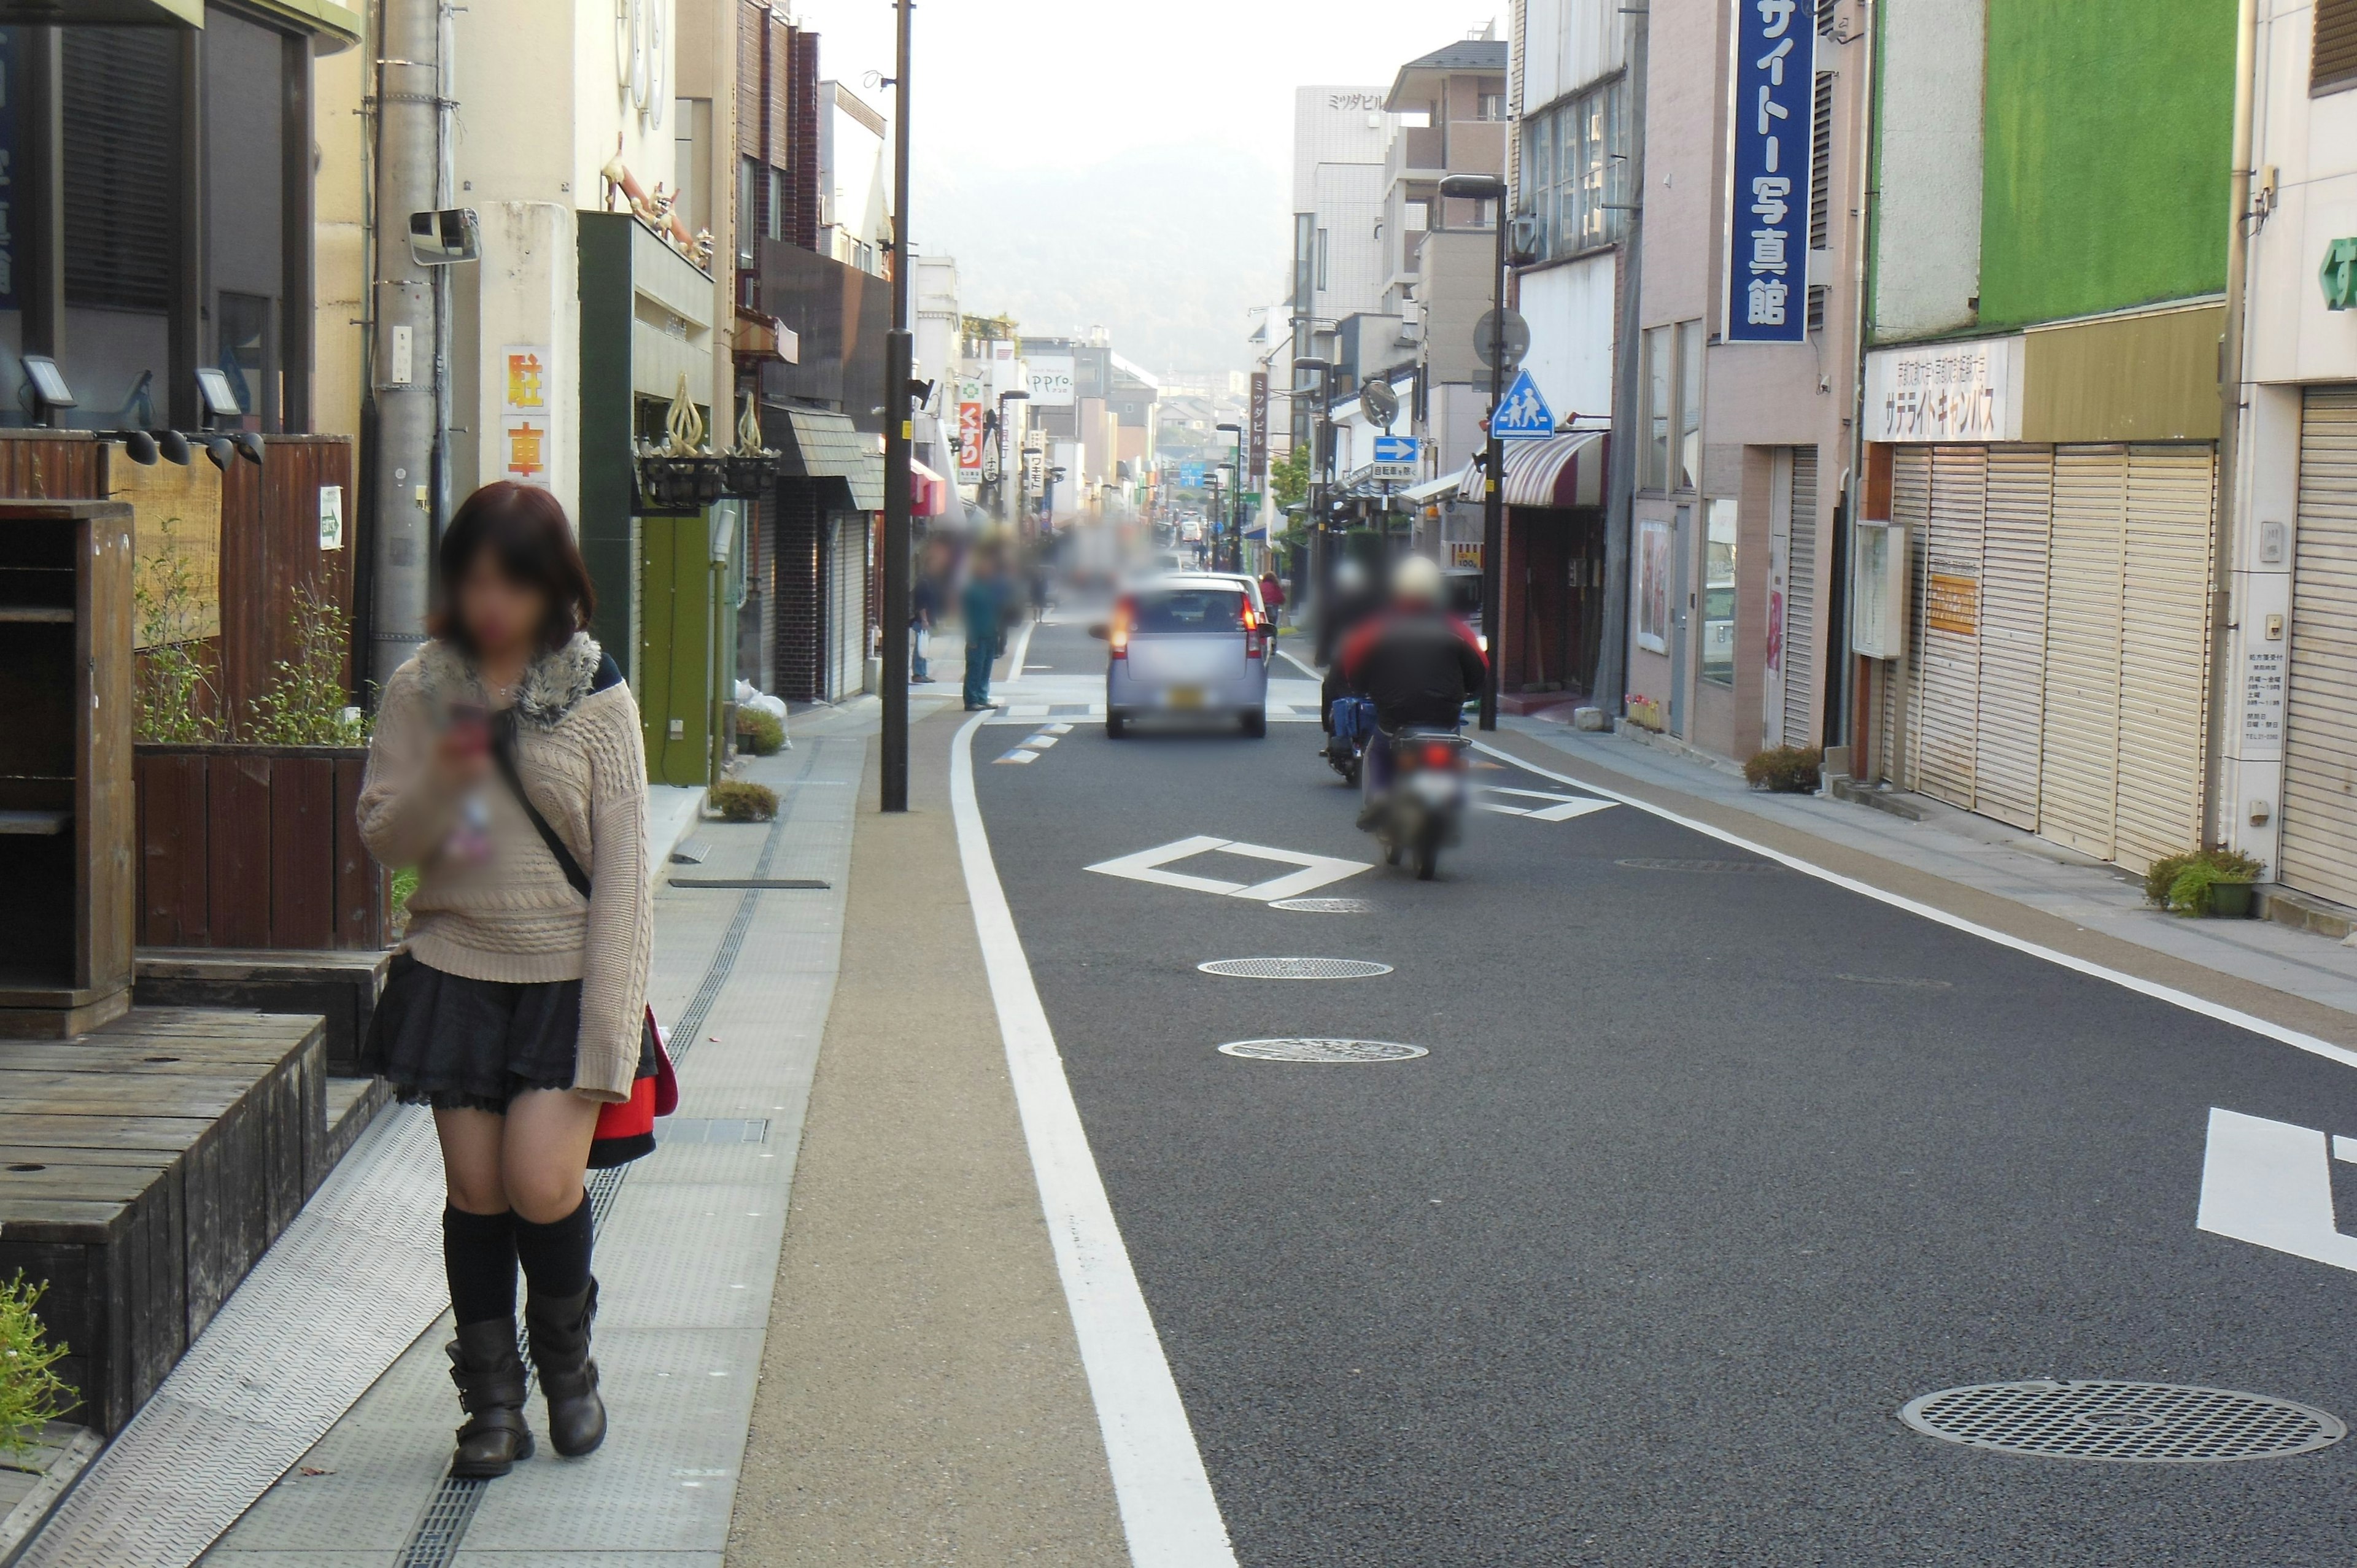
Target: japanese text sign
1768,208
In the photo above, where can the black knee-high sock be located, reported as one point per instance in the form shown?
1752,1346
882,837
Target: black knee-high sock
555,1257
479,1253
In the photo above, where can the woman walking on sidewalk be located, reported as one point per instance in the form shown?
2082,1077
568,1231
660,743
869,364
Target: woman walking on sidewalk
516,1006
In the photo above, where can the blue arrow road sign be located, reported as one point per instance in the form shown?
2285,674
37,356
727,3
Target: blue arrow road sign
1524,413
1395,448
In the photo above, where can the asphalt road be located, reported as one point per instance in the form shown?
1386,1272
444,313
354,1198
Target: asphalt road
1712,1166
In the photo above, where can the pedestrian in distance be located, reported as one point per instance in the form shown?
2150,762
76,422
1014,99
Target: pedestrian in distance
984,606
1272,596
516,1006
924,605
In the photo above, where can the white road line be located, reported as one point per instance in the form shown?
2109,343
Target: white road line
1022,647
1287,654
1167,1510
2270,1183
2158,992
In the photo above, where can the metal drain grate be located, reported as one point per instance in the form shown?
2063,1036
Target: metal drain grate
1295,968
1315,1050
2128,1424
1654,864
1324,906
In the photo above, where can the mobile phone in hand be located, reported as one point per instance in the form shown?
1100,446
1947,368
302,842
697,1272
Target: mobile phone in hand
469,728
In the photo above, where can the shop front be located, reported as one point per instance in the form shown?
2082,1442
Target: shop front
2054,493
821,549
1547,635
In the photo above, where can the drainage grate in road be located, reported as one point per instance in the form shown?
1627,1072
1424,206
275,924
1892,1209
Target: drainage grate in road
2130,1423
1324,906
1315,1050
1295,968
1646,864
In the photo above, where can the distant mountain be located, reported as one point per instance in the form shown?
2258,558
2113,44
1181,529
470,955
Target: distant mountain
1168,248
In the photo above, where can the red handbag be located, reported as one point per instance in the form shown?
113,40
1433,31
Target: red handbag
626,1128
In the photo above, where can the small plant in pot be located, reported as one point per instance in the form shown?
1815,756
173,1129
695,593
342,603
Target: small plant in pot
2204,881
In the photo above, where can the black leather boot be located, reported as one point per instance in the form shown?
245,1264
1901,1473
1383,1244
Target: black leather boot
560,1350
490,1375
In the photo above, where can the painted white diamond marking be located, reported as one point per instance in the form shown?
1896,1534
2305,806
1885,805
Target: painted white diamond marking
2270,1183
1315,871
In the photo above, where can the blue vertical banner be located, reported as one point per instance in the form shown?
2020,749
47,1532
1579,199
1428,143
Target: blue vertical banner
1768,206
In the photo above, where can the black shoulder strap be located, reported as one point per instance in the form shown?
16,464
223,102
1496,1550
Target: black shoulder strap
503,752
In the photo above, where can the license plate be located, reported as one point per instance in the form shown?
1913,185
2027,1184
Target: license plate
1185,696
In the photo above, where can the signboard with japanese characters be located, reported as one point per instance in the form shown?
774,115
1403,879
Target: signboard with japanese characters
1768,207
1945,392
1051,381
970,430
1256,455
524,414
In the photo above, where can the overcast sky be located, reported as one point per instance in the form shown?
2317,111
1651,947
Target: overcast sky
1048,99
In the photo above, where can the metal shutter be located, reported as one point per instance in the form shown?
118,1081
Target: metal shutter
2013,632
2164,651
1910,503
1800,601
2079,783
1947,607
846,638
2319,847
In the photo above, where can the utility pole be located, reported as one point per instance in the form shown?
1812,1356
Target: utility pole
404,375
898,431
1490,187
1620,466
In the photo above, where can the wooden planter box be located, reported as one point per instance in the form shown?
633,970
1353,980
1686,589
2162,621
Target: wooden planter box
255,846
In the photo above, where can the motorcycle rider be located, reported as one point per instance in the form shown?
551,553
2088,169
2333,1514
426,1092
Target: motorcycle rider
1419,664
1352,598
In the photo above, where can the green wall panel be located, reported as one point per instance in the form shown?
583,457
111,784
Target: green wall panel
2108,132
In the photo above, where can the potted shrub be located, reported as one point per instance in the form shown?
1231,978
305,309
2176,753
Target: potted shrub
2205,881
1786,770
246,829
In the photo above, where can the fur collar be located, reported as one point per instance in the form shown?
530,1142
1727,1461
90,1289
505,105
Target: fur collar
552,685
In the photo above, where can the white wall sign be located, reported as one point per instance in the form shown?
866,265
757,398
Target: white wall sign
2263,704
331,517
1945,392
1050,381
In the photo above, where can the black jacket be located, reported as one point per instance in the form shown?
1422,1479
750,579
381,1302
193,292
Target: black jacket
1418,665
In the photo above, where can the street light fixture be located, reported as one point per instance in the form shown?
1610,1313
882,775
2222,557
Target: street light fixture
1490,187
1235,554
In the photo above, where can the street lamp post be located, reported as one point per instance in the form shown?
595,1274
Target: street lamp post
1490,187
899,431
1235,554
1319,448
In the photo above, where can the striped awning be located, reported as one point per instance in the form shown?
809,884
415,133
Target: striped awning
1556,471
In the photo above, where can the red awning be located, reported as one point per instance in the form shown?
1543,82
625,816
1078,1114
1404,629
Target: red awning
929,495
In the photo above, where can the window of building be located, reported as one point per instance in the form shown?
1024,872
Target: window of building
749,226
1655,417
1492,106
775,224
1575,169
1688,460
1304,248
2333,64
1419,217
1322,283
1717,665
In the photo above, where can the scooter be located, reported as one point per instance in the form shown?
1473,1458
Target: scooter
1424,810
1353,721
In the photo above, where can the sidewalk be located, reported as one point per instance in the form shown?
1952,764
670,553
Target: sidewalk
1978,867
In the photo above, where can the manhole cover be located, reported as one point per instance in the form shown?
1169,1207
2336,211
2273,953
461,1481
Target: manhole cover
1899,980
1324,906
2129,1423
1295,968
1322,1050
1643,864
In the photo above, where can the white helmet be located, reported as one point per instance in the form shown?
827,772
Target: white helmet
1350,577
1415,580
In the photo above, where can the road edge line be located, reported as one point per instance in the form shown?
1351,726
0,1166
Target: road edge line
1167,1510
2218,1011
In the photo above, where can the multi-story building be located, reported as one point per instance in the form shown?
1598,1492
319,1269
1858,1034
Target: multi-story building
855,211
1341,137
2286,714
2041,411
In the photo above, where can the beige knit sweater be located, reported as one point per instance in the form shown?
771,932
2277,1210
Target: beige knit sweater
513,917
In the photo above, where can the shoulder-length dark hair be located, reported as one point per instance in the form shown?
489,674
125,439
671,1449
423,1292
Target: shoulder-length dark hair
529,537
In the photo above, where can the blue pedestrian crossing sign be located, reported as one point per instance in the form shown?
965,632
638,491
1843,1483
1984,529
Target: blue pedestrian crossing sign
1523,412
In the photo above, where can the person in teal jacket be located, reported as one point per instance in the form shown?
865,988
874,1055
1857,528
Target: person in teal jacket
984,604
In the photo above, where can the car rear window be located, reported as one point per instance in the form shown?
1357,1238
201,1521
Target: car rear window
1169,610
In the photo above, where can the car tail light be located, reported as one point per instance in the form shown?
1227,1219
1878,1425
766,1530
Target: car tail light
1252,633
1117,635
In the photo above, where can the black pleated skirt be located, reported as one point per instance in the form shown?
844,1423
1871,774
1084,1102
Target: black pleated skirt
457,1043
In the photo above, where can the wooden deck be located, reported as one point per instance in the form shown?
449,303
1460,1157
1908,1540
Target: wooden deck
144,1167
